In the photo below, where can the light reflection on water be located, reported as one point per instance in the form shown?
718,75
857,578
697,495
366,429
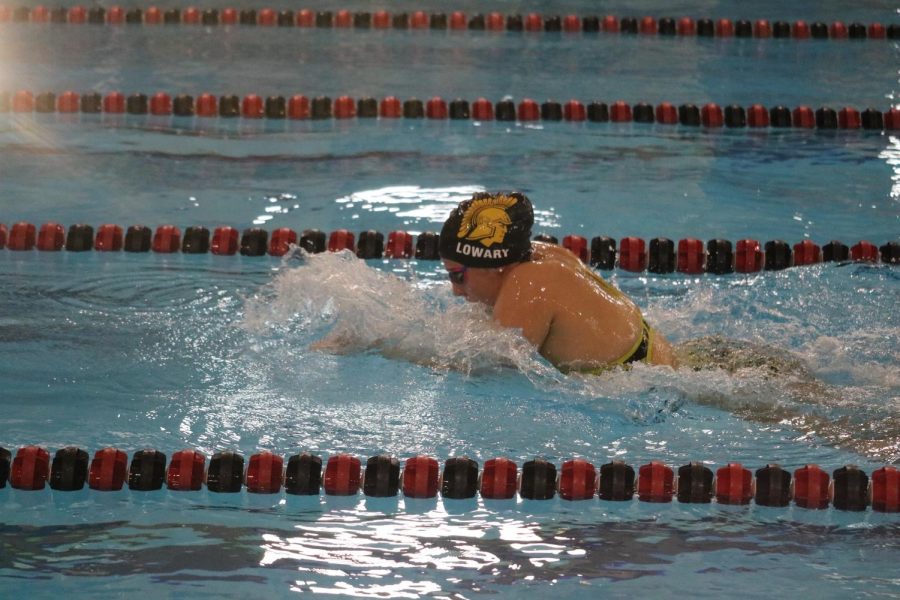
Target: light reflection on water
357,553
891,156
410,201
401,548
417,204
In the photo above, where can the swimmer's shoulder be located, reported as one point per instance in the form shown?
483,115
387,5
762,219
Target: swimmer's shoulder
554,260
543,253
544,275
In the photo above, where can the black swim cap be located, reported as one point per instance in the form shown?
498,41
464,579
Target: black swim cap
489,230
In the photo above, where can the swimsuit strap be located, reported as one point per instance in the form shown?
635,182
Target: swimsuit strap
644,346
607,286
642,350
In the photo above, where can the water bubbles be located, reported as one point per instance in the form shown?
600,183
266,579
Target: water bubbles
337,303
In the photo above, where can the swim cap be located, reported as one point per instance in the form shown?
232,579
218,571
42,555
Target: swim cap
489,230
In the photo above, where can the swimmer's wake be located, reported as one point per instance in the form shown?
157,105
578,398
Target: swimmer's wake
769,385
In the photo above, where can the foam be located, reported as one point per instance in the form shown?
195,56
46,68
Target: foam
334,302
840,357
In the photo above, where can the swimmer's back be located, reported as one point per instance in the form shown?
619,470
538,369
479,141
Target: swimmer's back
593,324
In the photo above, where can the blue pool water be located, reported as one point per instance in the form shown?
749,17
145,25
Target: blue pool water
207,352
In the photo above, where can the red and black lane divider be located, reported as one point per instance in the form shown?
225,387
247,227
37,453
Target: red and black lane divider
659,255
223,241
846,488
455,21
718,256
299,107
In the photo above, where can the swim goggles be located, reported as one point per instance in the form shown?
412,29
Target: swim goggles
457,276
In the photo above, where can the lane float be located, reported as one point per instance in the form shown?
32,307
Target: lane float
456,21
300,107
660,255
848,488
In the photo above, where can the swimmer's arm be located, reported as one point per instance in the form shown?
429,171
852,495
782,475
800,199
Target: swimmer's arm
522,305
341,342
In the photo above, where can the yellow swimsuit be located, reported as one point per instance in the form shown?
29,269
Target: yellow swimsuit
642,349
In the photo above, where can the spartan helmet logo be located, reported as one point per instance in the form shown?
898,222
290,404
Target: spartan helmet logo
486,220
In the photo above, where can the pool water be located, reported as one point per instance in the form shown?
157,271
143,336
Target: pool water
213,353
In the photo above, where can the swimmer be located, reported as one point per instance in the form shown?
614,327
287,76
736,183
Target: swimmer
581,323
573,317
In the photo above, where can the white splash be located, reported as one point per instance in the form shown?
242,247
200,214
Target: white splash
336,303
